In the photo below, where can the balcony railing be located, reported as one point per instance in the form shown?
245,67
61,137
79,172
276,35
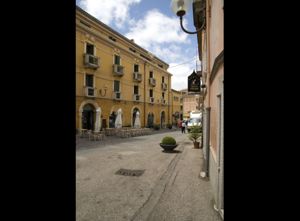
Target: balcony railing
117,95
118,70
90,91
91,61
136,97
164,86
137,76
152,82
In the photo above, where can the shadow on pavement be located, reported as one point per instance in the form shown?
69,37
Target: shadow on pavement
172,151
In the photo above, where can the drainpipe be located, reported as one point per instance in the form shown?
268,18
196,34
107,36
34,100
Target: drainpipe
145,93
205,171
169,101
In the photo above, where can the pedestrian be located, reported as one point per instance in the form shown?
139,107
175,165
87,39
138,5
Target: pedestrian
179,123
183,127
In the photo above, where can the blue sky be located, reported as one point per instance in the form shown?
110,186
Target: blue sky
153,25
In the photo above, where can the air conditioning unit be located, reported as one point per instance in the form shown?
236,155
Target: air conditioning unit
91,61
90,92
117,95
151,99
152,81
137,76
136,97
118,70
164,86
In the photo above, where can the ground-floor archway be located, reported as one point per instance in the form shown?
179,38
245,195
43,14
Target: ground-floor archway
89,115
150,120
162,119
134,115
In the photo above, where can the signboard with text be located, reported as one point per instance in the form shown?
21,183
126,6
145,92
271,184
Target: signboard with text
194,82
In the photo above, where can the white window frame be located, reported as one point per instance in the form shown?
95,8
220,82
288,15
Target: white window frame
120,89
84,79
114,59
85,44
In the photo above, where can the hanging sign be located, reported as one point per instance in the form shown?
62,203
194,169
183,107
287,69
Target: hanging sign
194,82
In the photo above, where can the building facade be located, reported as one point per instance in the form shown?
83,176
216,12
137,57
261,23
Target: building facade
177,106
112,73
191,102
211,53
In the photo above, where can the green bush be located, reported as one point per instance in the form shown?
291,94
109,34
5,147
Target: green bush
156,127
195,133
195,129
168,140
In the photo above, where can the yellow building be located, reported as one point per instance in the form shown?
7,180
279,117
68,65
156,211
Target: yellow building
177,106
112,73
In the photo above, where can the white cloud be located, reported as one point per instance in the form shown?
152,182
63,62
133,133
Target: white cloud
180,74
109,11
156,29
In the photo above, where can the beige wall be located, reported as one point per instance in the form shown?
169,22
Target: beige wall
212,46
190,103
216,30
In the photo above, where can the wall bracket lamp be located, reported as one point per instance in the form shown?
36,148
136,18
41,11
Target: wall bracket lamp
180,7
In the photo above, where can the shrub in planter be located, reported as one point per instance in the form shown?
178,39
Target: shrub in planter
168,143
195,135
168,140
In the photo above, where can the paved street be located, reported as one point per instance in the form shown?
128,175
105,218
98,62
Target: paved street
169,189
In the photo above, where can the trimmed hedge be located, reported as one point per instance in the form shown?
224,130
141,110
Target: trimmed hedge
168,140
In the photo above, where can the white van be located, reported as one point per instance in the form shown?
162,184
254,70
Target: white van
195,119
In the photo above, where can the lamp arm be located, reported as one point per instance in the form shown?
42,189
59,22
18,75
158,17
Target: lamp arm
189,32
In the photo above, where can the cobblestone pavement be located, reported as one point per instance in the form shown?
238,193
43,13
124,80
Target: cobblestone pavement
169,189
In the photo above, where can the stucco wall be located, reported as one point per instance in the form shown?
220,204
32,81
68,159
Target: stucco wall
105,49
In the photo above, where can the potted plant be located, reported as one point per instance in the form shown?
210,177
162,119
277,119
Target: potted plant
195,135
168,143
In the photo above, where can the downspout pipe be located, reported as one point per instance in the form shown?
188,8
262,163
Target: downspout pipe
145,94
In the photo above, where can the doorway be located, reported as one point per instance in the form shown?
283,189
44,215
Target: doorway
162,119
134,115
150,120
88,118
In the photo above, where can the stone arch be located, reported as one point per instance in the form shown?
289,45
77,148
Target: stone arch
97,121
113,115
133,111
150,119
162,119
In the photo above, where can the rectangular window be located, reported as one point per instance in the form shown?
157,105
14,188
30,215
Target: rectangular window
151,74
163,79
117,60
112,38
151,93
89,80
163,94
89,49
136,68
117,86
136,89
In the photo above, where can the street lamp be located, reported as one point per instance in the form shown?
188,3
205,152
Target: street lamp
180,7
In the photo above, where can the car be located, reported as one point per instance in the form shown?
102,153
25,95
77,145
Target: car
193,122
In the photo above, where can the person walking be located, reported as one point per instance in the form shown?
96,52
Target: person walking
183,124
